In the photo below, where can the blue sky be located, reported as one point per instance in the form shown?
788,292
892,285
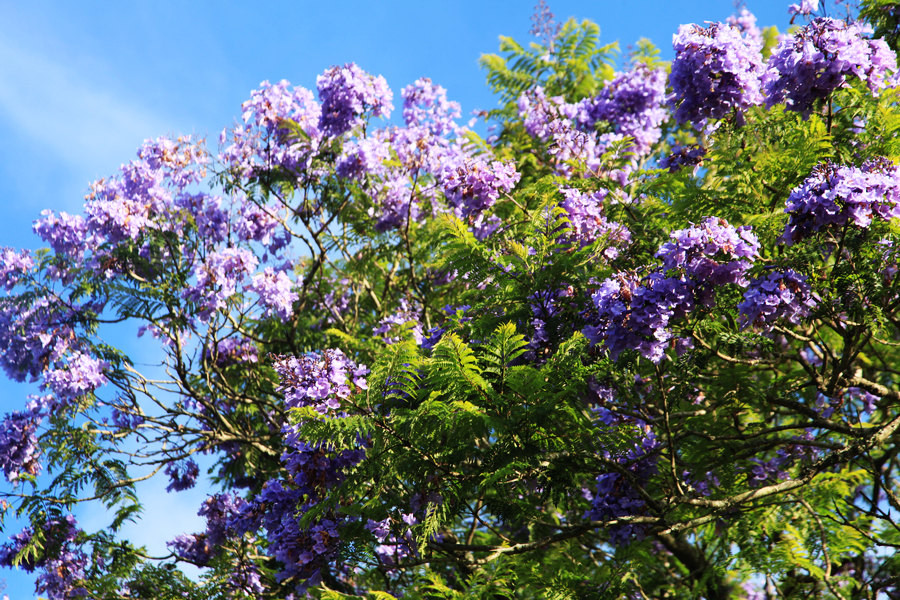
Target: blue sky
83,83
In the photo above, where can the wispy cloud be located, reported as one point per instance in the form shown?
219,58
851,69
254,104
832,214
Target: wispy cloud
59,106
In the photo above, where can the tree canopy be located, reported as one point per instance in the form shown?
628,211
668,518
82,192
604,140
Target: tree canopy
641,341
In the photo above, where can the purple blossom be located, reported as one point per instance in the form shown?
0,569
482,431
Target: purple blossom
634,314
403,320
218,277
14,265
473,185
806,7
834,195
232,351
745,22
347,93
780,295
275,293
614,495
35,335
267,138
425,105
318,380
820,58
61,562
633,104
587,223
712,253
81,375
715,72
19,449
182,475
67,234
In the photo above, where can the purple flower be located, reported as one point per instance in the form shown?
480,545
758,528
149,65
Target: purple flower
14,265
81,375
318,380
182,475
715,72
218,277
587,223
275,294
425,105
61,562
19,450
712,253
347,93
834,195
633,104
280,130
472,185
780,295
820,58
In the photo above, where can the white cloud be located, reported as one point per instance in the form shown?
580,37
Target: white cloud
71,115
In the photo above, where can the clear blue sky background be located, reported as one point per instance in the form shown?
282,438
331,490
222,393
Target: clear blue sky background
83,83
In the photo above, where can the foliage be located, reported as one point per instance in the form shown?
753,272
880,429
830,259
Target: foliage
605,353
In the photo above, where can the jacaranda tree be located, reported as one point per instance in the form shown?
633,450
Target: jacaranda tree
642,342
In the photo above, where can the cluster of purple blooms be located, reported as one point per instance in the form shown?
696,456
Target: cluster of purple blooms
716,71
638,314
19,450
777,296
719,70
199,548
631,106
319,380
182,475
587,223
232,351
265,139
820,58
614,495
835,195
14,265
347,93
778,467
61,562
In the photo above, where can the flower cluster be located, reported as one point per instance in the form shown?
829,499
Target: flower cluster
232,351
779,296
472,185
834,195
715,72
199,548
614,495
81,375
319,380
14,264
638,314
182,475
820,58
712,253
587,222
633,103
628,112
218,278
61,562
19,450
347,93
275,292
425,105
280,129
